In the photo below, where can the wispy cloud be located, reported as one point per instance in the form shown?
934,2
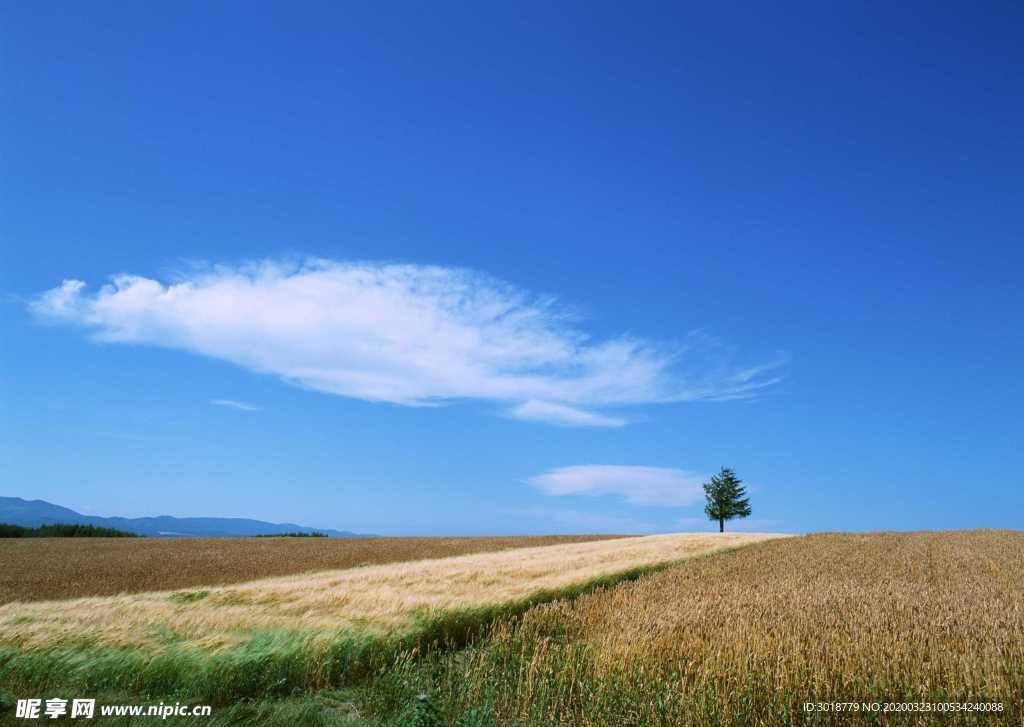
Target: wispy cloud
545,411
405,334
635,484
231,404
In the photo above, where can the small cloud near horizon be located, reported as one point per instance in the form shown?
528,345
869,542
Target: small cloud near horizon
637,485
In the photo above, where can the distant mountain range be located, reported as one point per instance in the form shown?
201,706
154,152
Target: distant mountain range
33,513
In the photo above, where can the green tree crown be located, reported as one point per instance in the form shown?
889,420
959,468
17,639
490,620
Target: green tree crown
726,497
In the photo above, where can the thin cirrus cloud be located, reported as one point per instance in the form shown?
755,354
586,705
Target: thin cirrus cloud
405,334
636,485
546,411
232,404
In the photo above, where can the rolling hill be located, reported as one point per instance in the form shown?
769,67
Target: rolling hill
33,513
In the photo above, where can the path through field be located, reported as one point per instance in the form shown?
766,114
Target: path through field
46,569
377,598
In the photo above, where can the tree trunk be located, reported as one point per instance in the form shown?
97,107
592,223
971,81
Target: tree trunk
721,524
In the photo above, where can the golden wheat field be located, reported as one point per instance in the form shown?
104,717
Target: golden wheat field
378,597
37,569
745,636
749,636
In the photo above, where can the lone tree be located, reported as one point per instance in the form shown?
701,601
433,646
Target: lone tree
726,497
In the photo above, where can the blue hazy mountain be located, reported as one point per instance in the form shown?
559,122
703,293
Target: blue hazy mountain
33,513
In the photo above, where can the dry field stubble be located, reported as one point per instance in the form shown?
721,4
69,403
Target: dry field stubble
36,569
381,598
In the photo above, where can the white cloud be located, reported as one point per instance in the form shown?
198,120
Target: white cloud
231,404
543,411
636,485
405,334
60,303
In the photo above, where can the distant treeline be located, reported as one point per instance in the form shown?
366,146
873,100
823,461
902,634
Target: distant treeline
63,531
292,535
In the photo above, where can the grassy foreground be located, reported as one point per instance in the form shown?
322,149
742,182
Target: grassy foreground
276,636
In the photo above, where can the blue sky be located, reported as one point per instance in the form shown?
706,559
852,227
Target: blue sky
523,269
